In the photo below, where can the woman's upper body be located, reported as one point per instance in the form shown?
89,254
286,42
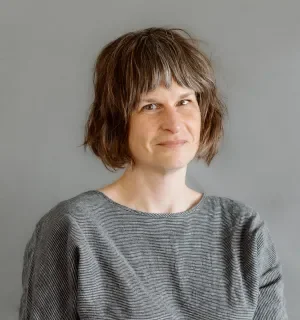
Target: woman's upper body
93,258
148,246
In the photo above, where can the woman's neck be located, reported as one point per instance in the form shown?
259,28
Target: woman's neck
153,192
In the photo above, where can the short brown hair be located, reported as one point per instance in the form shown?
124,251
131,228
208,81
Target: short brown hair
136,63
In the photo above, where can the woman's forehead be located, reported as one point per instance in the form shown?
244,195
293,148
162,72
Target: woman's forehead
174,89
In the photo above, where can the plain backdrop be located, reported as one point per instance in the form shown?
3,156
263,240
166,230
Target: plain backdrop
47,53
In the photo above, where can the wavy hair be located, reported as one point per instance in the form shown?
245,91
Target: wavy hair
136,63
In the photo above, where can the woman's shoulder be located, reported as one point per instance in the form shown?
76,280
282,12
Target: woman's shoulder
71,210
243,224
232,211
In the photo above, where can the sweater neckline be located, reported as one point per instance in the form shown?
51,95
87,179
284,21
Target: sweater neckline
197,206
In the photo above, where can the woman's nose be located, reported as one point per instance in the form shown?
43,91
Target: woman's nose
171,120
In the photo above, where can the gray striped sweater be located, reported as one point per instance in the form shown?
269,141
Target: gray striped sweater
92,258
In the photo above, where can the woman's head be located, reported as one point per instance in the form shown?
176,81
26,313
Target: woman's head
145,62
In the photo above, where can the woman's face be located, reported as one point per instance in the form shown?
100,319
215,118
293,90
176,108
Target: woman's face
162,115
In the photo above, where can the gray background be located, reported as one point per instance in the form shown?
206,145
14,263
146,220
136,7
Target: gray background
47,53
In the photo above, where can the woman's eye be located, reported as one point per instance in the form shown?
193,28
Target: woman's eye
186,101
153,104
149,105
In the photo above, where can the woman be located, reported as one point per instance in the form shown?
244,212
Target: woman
147,246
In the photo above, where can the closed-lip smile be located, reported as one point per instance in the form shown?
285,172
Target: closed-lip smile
172,142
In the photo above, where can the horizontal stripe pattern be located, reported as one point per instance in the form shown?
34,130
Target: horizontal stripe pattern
92,258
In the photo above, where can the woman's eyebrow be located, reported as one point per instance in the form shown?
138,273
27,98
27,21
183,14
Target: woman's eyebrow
184,95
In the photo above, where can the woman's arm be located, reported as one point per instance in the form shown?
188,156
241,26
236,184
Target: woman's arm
271,301
49,277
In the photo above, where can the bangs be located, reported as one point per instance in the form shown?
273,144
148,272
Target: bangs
150,63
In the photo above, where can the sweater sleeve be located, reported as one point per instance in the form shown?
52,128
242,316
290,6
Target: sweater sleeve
271,303
49,277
